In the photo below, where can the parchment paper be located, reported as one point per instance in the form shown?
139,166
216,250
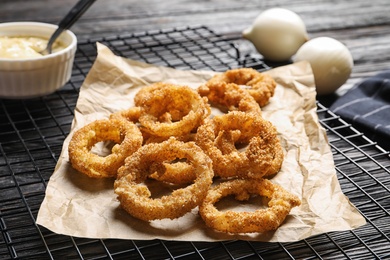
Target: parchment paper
79,206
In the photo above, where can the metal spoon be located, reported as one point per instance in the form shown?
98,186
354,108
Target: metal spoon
74,14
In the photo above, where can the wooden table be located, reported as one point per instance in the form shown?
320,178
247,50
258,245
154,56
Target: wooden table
363,26
29,148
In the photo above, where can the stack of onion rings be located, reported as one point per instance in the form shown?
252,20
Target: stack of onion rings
169,136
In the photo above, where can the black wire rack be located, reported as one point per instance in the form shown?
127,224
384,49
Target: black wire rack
32,133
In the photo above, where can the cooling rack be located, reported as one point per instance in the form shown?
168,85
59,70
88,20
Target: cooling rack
32,132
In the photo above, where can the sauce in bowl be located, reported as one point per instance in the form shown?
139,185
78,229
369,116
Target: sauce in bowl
25,47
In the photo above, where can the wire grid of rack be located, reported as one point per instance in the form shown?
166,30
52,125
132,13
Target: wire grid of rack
32,132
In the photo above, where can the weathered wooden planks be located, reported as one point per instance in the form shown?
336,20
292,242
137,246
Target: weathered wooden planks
364,26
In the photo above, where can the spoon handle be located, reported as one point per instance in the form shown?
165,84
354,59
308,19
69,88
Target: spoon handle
74,14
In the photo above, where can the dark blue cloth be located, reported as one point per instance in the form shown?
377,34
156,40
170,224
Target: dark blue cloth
367,107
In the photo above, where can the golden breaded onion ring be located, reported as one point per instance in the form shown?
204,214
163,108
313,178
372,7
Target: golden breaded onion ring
230,96
175,172
170,110
259,85
135,197
220,136
126,136
279,206
131,114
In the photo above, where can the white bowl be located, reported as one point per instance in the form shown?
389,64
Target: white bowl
33,77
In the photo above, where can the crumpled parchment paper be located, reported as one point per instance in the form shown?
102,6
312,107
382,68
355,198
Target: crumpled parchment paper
79,206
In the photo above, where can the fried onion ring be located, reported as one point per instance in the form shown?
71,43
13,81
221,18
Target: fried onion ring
259,85
229,95
279,206
126,135
170,110
175,172
220,136
136,198
131,114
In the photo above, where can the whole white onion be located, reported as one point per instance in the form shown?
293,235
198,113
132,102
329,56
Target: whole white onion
277,34
331,62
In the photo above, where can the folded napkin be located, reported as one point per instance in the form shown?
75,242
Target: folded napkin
367,107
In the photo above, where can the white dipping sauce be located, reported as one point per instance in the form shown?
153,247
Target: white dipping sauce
24,47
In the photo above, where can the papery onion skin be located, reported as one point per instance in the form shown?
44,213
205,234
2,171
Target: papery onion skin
277,34
330,60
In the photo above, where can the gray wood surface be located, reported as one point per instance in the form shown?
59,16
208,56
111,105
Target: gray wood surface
364,26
